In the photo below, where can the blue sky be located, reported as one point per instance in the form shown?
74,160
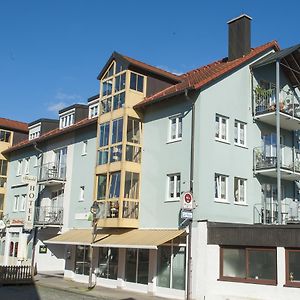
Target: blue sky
51,51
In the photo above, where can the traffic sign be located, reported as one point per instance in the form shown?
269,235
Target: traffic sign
186,214
187,201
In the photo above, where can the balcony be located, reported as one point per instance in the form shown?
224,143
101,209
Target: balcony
268,213
52,174
265,108
265,162
49,215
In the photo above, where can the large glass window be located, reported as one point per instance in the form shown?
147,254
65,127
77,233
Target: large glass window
107,87
108,263
104,134
119,101
116,153
136,82
131,185
105,105
248,264
133,130
130,209
103,156
2,181
82,260
3,167
133,153
101,187
117,131
114,184
137,265
5,136
293,267
120,82
171,267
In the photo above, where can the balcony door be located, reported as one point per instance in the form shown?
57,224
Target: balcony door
61,161
269,143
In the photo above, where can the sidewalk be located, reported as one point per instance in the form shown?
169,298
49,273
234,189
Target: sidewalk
103,293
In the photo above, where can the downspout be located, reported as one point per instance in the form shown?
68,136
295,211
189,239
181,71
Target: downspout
189,266
35,228
278,146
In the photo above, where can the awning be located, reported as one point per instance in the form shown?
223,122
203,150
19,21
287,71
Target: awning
139,238
76,237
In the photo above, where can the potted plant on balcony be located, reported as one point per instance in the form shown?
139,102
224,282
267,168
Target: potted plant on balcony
259,157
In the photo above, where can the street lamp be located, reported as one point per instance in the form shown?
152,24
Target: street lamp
94,211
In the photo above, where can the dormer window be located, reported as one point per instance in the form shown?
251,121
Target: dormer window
93,110
66,120
34,131
34,135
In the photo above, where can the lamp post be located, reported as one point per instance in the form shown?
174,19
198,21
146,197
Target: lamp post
94,211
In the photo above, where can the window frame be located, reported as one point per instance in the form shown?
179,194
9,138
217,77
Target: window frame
19,167
220,199
84,147
218,138
175,198
247,279
177,126
245,190
23,202
81,193
16,203
288,282
135,87
238,142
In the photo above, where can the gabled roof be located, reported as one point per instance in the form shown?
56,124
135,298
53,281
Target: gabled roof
139,65
13,125
51,134
202,76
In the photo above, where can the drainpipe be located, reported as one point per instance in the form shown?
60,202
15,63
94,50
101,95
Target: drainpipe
278,146
35,228
189,266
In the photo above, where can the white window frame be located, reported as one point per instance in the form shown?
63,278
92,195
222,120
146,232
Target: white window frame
219,138
177,125
237,198
219,187
169,176
16,203
26,166
23,202
81,194
19,168
238,132
84,147
94,111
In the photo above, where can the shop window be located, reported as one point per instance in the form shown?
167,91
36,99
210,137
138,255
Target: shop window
131,185
101,189
137,265
292,267
82,260
136,82
133,130
171,266
248,265
108,263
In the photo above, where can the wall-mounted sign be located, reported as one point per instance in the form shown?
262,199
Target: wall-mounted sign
43,249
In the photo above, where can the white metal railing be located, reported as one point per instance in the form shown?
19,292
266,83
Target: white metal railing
52,171
50,215
265,158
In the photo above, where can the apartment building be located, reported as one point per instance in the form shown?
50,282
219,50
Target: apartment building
50,186
228,132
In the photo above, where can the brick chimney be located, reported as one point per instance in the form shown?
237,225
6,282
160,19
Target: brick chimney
239,37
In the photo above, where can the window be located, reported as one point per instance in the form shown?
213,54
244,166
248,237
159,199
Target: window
116,153
108,263
120,82
1,203
3,167
19,167
84,147
117,131
101,188
137,265
133,130
239,190
107,87
5,136
81,194
2,182
23,202
248,265
175,128
114,184
119,101
82,260
26,169
133,153
131,185
66,121
221,187
105,105
130,209
16,203
34,135
221,128
292,265
136,82
239,133
174,186
93,111
103,156
103,134
171,266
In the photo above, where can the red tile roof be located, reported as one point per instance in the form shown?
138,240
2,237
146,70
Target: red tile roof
13,125
197,78
51,134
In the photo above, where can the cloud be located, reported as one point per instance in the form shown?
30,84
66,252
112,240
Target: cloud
55,107
67,97
170,70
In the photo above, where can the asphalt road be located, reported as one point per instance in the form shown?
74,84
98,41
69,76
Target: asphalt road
33,292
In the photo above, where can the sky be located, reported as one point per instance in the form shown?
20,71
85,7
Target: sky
51,51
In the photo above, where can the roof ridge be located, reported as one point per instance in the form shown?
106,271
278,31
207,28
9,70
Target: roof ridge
13,121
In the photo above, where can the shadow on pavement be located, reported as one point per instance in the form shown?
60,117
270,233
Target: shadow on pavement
20,291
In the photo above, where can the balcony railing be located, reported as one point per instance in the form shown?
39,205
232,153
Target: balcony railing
52,171
49,215
265,158
265,102
268,213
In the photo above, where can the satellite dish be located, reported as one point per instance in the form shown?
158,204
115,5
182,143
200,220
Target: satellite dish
2,225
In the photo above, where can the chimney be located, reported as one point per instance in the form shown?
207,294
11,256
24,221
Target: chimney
239,37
